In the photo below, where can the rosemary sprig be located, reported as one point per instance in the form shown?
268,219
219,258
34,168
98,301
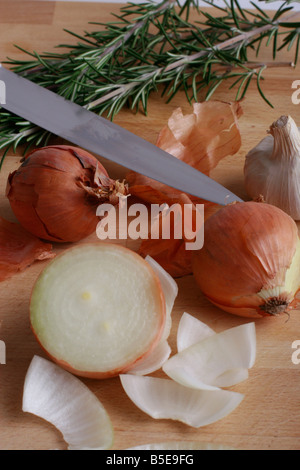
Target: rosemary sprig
150,46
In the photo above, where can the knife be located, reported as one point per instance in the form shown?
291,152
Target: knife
96,134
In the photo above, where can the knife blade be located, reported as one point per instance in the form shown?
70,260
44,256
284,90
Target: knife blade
96,134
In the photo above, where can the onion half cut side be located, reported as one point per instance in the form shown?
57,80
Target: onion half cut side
219,360
98,309
166,399
63,400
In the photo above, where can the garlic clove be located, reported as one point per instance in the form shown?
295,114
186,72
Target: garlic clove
272,168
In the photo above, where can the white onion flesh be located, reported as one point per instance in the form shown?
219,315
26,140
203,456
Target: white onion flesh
191,331
154,361
166,399
219,360
181,445
63,400
162,350
97,309
170,290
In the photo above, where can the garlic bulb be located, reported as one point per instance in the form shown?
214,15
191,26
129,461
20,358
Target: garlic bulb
272,168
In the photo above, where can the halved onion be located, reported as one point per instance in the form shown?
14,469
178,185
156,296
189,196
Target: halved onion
63,400
98,309
219,360
166,399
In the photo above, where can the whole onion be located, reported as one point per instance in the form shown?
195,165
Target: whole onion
250,262
55,192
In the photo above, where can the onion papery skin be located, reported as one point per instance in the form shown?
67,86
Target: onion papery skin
243,267
55,193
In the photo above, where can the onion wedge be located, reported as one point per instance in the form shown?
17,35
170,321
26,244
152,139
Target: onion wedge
162,351
181,445
190,331
63,400
154,361
166,399
170,290
219,360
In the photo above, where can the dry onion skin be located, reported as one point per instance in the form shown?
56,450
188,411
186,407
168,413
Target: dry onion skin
98,310
250,262
63,400
171,253
200,139
55,193
19,249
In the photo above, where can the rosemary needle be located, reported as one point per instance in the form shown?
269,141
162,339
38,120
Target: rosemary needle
149,47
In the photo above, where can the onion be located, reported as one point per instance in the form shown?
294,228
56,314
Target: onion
98,309
63,400
191,331
250,262
166,399
55,192
218,360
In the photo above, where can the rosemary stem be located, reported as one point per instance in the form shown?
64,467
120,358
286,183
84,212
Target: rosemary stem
151,44
132,29
185,61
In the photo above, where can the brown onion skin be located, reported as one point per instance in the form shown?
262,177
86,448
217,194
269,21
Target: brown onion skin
45,195
247,247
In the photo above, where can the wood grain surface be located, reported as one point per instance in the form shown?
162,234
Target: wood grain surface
269,415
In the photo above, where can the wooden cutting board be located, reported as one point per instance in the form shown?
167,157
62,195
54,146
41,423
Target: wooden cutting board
269,415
